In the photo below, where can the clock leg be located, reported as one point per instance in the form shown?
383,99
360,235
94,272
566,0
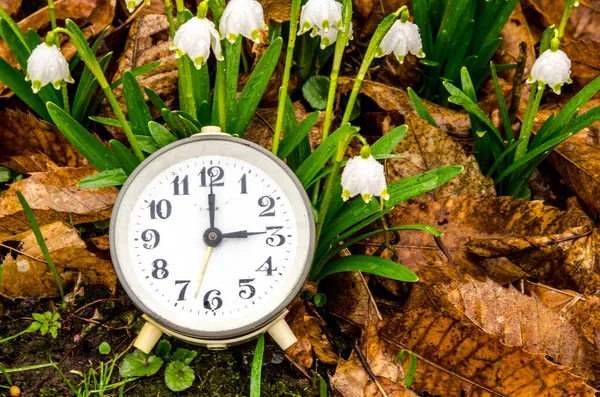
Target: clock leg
282,334
148,338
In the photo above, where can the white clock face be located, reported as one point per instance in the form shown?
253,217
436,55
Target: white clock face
212,238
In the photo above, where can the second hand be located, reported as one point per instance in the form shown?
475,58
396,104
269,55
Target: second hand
203,270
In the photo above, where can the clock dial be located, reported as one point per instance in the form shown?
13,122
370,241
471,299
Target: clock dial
213,243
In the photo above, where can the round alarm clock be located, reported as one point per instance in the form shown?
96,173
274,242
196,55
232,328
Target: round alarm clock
212,237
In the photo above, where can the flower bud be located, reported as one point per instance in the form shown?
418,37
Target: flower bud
242,17
401,39
46,65
195,39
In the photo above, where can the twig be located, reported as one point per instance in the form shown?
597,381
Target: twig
442,247
22,253
515,99
299,368
365,364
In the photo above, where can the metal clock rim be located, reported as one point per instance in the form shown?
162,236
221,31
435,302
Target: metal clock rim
236,332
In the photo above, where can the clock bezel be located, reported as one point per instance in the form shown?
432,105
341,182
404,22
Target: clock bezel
234,332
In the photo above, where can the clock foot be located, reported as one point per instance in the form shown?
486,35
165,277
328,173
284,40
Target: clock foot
282,334
148,338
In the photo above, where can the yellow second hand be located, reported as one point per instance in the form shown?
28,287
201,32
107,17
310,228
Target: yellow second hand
206,257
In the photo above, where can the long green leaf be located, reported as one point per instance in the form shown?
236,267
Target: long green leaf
16,82
257,363
294,137
19,49
369,264
124,156
110,178
86,143
253,91
86,89
106,121
387,143
420,107
158,103
137,108
161,135
232,57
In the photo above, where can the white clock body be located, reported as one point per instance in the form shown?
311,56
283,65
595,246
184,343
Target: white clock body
263,237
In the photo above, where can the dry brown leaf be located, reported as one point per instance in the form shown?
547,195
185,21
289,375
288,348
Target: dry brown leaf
522,321
10,6
583,23
277,10
585,65
54,196
28,275
510,239
389,98
352,380
457,360
29,163
363,7
380,9
311,338
35,136
427,148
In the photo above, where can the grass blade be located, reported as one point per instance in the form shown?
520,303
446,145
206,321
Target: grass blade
16,82
124,156
110,178
137,108
368,264
257,362
420,108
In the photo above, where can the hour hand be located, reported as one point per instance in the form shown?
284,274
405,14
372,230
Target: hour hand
211,208
242,234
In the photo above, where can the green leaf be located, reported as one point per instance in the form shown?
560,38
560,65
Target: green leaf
17,84
106,121
320,300
139,364
86,143
294,137
412,370
179,376
502,105
315,162
44,328
5,174
420,108
104,348
257,362
18,48
146,143
387,143
39,317
124,156
160,134
86,90
232,58
253,91
316,90
155,99
368,264
34,326
53,331
138,111
163,348
115,177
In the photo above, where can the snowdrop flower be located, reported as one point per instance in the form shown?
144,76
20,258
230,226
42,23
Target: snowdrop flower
401,39
195,38
552,68
365,176
320,15
245,17
132,4
329,38
46,65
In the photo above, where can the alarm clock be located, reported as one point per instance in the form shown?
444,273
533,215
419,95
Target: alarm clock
212,237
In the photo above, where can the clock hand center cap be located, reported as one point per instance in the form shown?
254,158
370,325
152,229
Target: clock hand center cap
213,237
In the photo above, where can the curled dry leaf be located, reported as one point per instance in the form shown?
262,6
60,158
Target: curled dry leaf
520,320
29,163
427,148
54,196
352,380
389,98
502,238
10,6
311,338
458,360
28,275
35,136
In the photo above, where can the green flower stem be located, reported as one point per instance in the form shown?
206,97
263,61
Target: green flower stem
180,6
64,89
169,12
286,74
332,178
372,51
25,331
340,47
187,101
532,107
221,94
28,368
565,17
90,60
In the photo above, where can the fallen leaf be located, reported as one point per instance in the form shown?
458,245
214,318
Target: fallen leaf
29,163
35,136
363,7
28,276
10,6
54,196
458,360
277,10
585,66
379,10
388,98
311,338
582,24
426,148
522,321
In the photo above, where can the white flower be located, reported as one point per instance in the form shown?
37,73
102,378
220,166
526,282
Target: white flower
132,4
320,15
552,68
245,17
401,39
46,65
364,176
329,38
195,38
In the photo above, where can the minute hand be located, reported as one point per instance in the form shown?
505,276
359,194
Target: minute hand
242,234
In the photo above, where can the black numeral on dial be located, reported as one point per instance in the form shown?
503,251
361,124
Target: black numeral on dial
267,267
161,209
215,174
247,290
183,289
160,271
212,300
181,187
151,239
268,203
244,184
276,239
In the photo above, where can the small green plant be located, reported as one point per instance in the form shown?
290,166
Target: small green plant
457,34
257,363
409,376
43,323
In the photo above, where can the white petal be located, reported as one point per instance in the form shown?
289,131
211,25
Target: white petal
245,17
403,38
365,177
320,15
195,38
552,68
46,65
